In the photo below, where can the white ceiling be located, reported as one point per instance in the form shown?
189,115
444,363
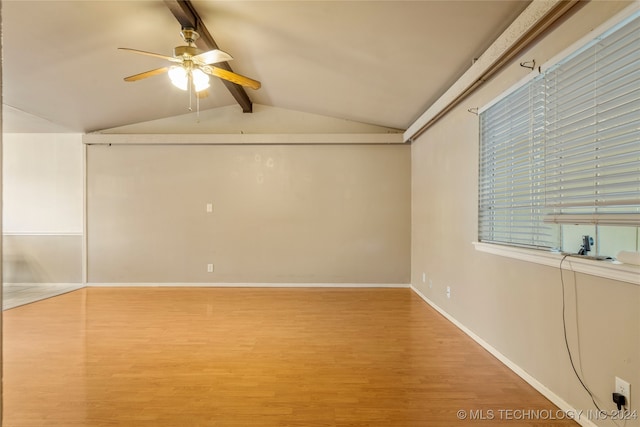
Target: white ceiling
376,62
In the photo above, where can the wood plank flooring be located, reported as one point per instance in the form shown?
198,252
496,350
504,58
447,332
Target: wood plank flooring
15,295
209,357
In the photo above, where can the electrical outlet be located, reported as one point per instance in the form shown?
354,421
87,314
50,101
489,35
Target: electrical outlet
624,388
424,277
448,291
209,268
209,207
430,283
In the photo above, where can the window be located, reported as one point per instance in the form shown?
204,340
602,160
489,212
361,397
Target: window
560,155
512,171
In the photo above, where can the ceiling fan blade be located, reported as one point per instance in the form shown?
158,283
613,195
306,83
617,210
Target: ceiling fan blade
212,57
146,74
157,55
232,77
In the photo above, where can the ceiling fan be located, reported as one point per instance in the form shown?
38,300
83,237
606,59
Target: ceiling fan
193,66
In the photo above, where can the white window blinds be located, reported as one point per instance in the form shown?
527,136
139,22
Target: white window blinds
565,147
511,199
593,132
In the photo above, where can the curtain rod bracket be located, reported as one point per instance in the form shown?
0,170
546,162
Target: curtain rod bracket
473,110
529,64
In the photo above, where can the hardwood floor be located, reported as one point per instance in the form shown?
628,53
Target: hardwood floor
15,295
208,357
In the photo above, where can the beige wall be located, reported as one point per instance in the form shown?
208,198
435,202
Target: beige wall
42,211
281,214
42,183
42,258
1,225
516,306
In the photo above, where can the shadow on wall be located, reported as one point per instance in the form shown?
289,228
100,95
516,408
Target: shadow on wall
18,268
42,258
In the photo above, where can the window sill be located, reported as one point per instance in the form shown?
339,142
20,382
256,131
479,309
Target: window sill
607,269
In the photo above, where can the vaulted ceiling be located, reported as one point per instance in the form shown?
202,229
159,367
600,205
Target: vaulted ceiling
376,62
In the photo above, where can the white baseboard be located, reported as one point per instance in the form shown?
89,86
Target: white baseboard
255,285
554,398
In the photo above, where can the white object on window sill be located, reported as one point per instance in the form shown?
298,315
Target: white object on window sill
627,257
610,269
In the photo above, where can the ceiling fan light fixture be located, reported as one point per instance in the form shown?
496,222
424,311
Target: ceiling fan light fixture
179,77
200,79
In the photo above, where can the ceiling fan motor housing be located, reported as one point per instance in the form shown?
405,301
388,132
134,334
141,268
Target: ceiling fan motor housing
185,51
189,35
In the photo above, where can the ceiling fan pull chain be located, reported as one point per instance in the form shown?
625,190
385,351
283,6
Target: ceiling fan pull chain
197,109
190,89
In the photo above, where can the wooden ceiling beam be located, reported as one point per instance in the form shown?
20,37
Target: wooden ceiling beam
187,16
